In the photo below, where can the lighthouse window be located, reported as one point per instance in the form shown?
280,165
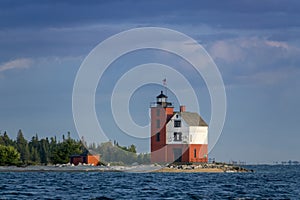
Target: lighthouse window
195,153
157,112
158,123
158,137
177,123
177,136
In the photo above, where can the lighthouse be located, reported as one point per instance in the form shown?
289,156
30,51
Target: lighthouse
177,136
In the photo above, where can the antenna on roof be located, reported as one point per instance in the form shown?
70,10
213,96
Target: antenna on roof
165,85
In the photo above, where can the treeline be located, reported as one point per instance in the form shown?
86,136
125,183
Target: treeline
51,151
38,151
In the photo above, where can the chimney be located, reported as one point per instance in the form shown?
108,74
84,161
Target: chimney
182,108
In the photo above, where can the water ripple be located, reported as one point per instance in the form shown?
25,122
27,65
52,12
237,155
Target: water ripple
268,182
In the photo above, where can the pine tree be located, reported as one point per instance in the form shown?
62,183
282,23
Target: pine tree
1,140
34,155
33,146
7,141
22,147
44,150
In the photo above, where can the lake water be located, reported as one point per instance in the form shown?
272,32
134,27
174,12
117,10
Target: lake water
272,182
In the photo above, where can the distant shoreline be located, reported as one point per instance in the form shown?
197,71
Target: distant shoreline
207,170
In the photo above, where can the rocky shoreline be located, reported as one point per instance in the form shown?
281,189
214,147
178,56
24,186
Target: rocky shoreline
204,167
175,168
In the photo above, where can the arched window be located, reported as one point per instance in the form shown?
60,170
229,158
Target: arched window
158,112
158,137
157,123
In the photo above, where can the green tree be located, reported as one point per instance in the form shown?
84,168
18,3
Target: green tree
9,155
22,147
33,146
132,148
61,152
34,155
44,148
6,140
1,140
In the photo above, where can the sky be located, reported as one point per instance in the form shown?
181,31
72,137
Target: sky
255,45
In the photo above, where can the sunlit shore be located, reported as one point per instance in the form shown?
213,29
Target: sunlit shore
204,167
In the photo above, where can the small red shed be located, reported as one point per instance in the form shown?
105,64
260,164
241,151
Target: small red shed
85,158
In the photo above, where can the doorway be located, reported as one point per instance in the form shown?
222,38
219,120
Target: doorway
177,152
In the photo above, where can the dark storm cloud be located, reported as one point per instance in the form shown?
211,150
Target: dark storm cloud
52,28
227,14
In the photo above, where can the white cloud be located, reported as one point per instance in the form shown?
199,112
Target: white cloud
22,63
254,60
277,44
239,49
226,50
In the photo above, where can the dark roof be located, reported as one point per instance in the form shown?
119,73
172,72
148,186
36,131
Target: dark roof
85,154
76,155
193,119
161,95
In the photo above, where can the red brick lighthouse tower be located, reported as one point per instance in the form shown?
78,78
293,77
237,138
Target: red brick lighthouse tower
161,112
